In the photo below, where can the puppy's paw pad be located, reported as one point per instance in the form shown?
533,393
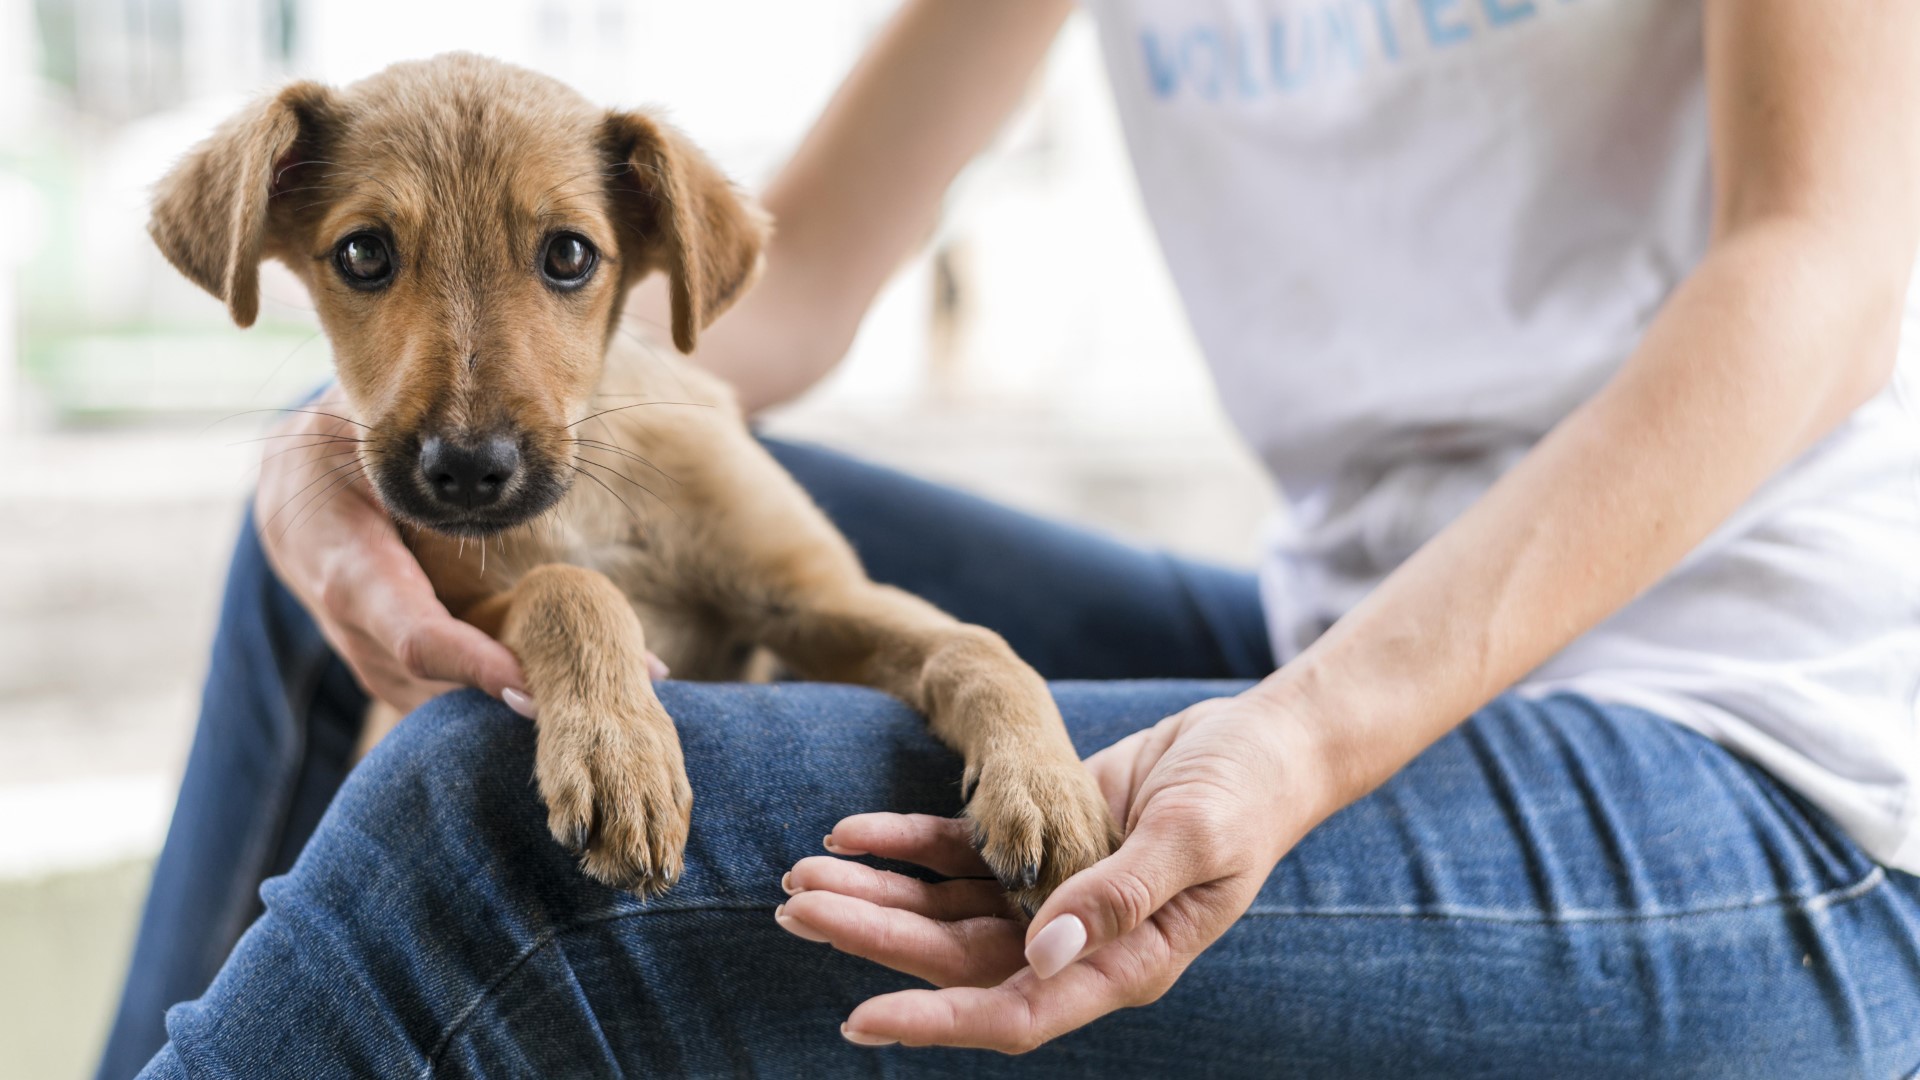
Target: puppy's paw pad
1039,824
617,797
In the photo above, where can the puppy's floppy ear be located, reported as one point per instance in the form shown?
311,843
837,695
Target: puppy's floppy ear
689,220
211,212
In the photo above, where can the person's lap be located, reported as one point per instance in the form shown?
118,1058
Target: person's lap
1555,881
1525,898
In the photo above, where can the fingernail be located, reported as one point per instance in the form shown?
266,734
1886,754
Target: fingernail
521,702
858,1039
657,668
786,883
1055,946
827,842
795,927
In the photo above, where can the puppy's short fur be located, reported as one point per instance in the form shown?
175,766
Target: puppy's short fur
623,504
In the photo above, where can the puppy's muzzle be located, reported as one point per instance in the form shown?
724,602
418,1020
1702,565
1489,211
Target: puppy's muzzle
467,484
468,476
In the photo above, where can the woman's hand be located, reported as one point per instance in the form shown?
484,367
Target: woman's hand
338,552
1211,797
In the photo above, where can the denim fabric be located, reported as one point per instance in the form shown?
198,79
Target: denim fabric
1556,889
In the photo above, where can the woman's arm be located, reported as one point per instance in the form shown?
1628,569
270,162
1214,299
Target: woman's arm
1788,324
866,184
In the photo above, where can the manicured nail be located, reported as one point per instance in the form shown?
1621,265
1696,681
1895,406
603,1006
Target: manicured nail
786,883
656,668
521,702
858,1039
1055,946
795,927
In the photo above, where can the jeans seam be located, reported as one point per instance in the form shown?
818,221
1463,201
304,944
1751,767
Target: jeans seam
1816,902
545,940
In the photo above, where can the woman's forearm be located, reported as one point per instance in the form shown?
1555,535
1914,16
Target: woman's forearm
1788,324
1776,337
865,186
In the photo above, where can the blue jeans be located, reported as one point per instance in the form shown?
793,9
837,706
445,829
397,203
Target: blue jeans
1557,888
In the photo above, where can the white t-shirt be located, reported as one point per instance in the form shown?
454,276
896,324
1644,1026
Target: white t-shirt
1412,235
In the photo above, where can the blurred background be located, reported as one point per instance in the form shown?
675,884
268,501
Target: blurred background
1033,351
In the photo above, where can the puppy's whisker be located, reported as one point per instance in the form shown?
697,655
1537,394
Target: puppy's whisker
338,170
309,485
309,412
342,170
584,460
629,455
298,435
638,520
637,405
352,470
606,172
311,446
320,501
312,187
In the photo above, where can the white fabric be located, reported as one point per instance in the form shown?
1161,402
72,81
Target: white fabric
1411,236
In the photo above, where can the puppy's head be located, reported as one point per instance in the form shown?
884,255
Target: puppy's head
467,230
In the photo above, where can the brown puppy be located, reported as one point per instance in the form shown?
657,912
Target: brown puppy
468,231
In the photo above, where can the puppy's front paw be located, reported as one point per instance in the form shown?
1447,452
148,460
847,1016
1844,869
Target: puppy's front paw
1038,823
616,792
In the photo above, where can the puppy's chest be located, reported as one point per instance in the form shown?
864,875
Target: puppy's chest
681,625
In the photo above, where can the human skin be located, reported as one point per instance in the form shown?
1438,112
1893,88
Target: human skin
1788,324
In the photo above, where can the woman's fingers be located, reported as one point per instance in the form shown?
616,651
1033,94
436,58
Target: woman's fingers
964,898
437,647
1013,1017
380,586
976,951
942,845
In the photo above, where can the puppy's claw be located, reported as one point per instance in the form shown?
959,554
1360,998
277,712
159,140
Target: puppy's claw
618,791
1037,825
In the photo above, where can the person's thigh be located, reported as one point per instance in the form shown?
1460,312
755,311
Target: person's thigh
1073,603
278,719
1556,889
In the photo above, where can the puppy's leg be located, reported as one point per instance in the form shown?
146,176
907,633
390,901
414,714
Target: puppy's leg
1037,811
608,760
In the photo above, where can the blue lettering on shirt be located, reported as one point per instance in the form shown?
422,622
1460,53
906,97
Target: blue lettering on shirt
1442,21
1302,46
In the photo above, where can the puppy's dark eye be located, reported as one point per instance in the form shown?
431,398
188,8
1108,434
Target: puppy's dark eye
364,260
569,261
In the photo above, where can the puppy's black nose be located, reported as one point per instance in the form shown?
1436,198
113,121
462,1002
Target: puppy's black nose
468,476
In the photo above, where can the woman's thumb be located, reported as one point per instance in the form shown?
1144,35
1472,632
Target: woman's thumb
1107,900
